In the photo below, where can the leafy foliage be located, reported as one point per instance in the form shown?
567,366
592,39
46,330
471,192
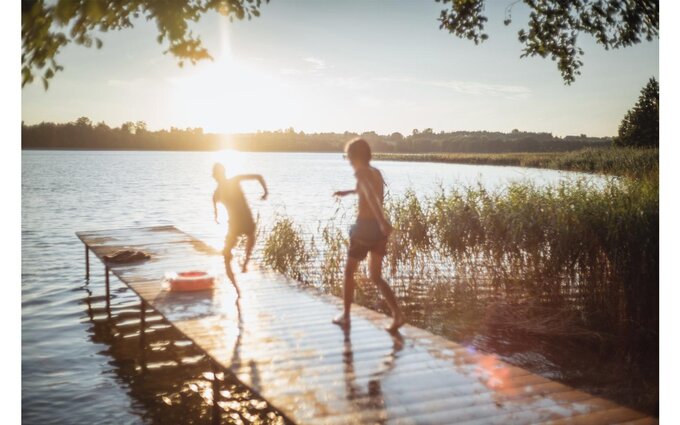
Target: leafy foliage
640,126
83,134
554,26
46,28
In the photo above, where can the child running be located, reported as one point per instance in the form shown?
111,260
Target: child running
369,233
241,221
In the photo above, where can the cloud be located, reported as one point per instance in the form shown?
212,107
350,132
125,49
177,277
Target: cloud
317,68
474,88
173,80
351,83
317,64
126,83
292,71
313,67
370,101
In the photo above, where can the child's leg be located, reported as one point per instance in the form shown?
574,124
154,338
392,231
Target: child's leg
229,243
250,243
350,269
375,273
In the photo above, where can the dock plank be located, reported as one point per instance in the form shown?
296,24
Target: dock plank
278,340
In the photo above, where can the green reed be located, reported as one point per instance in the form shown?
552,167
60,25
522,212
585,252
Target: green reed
570,246
573,245
632,162
285,249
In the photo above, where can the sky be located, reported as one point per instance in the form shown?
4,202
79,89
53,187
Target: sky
329,66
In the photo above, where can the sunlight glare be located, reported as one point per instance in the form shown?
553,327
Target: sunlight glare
230,96
233,160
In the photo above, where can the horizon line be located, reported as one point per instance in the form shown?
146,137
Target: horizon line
303,132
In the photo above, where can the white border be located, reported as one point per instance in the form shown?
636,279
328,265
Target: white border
10,154
669,346
10,213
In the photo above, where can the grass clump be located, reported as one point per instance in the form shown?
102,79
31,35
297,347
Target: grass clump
285,249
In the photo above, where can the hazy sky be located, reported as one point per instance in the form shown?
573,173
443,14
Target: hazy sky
334,66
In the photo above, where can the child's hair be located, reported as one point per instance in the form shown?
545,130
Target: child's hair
358,149
218,169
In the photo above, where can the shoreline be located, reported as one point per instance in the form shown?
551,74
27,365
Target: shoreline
614,161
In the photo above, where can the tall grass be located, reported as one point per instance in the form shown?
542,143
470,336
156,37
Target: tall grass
572,246
285,249
575,262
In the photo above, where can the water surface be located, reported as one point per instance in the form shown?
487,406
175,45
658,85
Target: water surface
76,366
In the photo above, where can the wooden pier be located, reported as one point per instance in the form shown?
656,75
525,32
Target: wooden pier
279,341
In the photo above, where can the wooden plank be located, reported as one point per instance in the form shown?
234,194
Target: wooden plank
133,236
279,341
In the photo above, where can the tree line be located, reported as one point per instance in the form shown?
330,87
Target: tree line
83,134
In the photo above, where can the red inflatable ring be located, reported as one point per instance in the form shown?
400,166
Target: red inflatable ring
191,281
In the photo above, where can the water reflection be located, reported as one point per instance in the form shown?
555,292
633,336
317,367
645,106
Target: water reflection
370,397
194,305
169,379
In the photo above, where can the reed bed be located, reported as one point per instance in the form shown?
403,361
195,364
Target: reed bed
631,162
574,265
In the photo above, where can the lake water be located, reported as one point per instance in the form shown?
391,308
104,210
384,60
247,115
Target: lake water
77,368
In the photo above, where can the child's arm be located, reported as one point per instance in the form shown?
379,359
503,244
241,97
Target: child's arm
254,177
342,193
364,186
215,206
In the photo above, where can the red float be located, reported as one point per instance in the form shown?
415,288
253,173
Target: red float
191,281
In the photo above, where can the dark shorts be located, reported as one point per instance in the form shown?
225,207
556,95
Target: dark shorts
364,237
240,228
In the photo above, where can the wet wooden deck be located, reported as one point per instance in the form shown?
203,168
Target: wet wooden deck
280,342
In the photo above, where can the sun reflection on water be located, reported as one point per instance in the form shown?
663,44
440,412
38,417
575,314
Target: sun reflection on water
234,161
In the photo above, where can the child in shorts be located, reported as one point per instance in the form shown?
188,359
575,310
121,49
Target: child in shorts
369,234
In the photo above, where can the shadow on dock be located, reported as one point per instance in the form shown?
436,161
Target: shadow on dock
168,378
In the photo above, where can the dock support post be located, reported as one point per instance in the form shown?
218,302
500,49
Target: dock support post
142,335
87,263
142,324
108,297
216,419
88,301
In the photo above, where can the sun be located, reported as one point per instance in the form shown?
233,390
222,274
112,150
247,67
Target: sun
229,95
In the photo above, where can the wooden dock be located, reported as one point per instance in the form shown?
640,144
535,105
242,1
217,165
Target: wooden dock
279,341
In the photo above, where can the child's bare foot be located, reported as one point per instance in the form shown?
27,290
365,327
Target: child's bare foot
398,321
244,267
342,321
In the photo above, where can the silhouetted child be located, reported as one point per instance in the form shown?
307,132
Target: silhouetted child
369,233
241,222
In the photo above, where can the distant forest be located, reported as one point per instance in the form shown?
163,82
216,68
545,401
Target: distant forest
82,134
